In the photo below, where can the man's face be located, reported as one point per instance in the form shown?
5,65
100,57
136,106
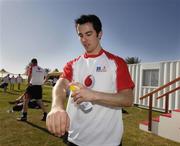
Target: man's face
89,37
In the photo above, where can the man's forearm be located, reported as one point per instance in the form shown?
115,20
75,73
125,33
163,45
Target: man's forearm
122,99
59,94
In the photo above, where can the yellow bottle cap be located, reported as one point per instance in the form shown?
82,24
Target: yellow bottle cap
73,88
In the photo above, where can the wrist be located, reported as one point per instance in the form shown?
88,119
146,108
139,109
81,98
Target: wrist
57,108
94,97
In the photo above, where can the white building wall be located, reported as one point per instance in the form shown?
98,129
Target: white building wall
168,71
177,93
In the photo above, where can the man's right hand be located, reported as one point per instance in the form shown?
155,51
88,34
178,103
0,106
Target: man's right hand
58,122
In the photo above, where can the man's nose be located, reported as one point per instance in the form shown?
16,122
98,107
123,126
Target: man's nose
83,39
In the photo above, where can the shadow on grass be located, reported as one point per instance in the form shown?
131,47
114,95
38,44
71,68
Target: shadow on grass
18,91
64,138
38,127
12,93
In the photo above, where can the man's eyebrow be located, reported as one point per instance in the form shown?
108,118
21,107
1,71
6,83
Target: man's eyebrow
88,32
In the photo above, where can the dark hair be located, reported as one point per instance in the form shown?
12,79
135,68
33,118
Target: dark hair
34,61
92,19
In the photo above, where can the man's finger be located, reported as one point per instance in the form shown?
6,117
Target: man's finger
67,124
63,124
57,126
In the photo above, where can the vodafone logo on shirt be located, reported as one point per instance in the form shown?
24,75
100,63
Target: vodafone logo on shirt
89,81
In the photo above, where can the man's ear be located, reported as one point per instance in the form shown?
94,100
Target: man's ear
100,34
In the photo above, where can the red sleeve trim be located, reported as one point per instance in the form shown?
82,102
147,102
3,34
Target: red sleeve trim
123,78
68,70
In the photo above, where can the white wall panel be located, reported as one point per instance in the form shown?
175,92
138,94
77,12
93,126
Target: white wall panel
168,71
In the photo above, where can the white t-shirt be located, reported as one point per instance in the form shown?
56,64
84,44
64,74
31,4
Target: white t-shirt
37,75
103,125
55,80
12,80
19,79
6,79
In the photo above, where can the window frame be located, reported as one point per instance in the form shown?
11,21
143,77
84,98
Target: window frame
150,82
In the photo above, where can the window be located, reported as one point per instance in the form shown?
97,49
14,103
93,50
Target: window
150,77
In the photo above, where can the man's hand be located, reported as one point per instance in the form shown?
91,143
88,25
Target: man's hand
82,93
58,122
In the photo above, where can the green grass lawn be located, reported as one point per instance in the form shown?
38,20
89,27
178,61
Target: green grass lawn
34,132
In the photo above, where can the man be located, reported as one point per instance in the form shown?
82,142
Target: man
103,80
12,82
19,80
36,78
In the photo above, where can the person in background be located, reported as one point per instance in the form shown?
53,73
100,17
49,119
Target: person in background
5,82
54,81
12,82
102,80
19,81
36,78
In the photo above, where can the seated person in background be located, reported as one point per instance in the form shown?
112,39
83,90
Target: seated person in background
5,82
18,103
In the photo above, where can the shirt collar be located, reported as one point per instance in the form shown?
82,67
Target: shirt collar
93,55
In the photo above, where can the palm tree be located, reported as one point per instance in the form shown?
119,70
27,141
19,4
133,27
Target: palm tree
132,60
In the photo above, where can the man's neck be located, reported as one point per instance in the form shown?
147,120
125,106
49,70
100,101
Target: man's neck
94,54
96,50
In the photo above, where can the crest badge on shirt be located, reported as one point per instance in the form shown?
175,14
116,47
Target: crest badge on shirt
101,69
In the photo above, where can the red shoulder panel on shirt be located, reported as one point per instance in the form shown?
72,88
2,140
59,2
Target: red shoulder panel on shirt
123,78
68,70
